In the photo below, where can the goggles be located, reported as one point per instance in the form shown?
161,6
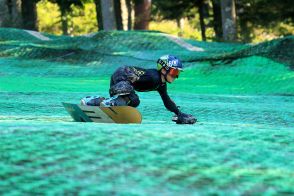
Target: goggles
174,72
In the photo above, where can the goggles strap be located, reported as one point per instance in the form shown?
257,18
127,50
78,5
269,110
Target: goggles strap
165,75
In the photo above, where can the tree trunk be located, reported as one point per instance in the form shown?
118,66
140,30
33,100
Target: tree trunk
142,14
217,20
245,31
29,14
118,14
64,20
3,13
10,13
99,14
229,20
201,18
108,15
180,24
129,8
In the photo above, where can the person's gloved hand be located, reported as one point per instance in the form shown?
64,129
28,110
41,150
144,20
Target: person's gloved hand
183,118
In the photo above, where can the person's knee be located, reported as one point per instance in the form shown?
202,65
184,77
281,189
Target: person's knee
134,100
122,87
135,103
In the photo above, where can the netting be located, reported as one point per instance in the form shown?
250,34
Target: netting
242,95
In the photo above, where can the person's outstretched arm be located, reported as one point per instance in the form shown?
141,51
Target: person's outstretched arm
168,103
182,118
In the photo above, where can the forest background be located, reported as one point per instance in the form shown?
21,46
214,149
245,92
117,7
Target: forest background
207,20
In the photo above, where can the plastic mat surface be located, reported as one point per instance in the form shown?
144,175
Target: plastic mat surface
242,96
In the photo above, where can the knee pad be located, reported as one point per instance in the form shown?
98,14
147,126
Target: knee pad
134,100
121,88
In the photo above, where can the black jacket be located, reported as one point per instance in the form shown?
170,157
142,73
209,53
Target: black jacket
150,80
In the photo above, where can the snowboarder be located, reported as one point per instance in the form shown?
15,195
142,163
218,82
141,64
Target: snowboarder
128,79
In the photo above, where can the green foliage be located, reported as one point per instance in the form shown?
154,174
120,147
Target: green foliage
83,21
66,4
190,29
80,20
266,12
265,19
172,10
259,20
49,18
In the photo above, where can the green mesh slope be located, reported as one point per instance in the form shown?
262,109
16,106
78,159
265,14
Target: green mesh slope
242,95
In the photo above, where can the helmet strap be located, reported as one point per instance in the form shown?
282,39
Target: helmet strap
165,75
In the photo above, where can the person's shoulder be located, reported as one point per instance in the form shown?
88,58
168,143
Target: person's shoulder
152,71
135,67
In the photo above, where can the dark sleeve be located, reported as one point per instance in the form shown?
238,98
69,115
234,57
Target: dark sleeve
168,103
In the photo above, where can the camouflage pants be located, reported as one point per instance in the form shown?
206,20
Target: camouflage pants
120,84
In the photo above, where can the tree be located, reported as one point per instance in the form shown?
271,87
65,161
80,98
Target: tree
129,9
99,14
65,8
201,19
108,15
10,11
176,10
172,10
217,19
266,14
111,10
229,20
19,14
29,14
4,13
118,14
142,14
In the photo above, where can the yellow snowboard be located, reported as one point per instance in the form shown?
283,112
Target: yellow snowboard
114,114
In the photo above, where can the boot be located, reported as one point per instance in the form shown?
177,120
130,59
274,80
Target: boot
92,100
114,101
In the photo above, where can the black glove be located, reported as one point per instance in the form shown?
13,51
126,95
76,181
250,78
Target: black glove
183,118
